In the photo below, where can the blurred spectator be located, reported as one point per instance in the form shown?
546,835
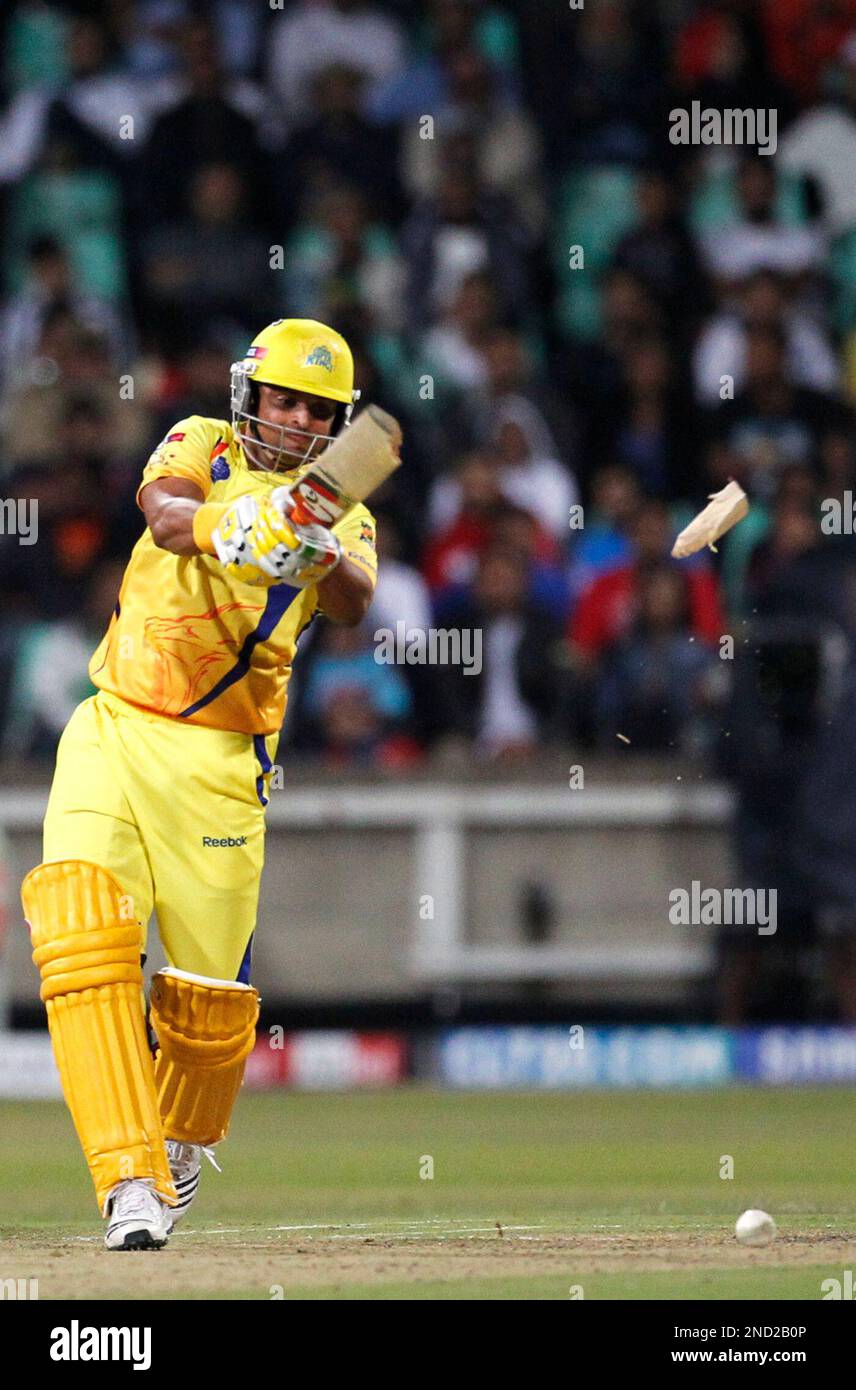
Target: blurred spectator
461,230
793,532
75,197
609,109
510,370
340,262
526,472
152,32
605,541
771,423
401,594
608,607
51,668
758,238
211,264
49,286
359,705
70,363
512,703
514,529
821,143
214,121
657,681
452,27
660,251
594,370
198,385
720,352
338,145
463,511
316,33
529,472
101,94
804,38
548,589
152,36
500,139
650,427
50,580
838,457
721,60
455,347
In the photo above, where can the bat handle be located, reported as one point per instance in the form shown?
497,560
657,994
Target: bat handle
300,513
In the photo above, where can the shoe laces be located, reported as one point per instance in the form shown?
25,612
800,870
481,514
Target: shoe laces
135,1198
209,1154
180,1153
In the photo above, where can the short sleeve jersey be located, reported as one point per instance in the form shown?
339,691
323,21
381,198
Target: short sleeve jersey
188,640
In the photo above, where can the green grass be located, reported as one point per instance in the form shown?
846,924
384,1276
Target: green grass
777,1284
597,1168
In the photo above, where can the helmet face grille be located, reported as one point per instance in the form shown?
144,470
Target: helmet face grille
274,458
277,458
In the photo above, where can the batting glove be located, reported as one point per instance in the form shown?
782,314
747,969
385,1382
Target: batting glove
255,542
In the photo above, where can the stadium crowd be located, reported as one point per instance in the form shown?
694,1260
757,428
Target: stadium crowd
583,327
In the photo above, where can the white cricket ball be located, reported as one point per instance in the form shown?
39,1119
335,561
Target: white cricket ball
755,1228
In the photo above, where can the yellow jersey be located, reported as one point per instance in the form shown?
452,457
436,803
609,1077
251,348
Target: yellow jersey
187,640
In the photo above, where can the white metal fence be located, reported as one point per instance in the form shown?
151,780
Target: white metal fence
440,819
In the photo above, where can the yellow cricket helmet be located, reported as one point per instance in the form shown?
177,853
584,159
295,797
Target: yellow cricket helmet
298,355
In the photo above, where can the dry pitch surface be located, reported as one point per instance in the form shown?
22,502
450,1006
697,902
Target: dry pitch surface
533,1196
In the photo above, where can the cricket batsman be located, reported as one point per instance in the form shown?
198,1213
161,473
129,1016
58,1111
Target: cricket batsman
158,797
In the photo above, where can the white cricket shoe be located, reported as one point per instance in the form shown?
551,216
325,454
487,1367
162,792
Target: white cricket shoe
139,1220
185,1164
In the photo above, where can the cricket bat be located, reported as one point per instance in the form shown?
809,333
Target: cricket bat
347,472
724,510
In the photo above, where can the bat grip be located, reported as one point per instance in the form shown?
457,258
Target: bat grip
300,513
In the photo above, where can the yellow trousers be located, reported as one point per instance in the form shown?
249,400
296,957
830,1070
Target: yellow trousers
176,812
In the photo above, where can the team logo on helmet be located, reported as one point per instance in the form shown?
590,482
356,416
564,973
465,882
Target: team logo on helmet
320,357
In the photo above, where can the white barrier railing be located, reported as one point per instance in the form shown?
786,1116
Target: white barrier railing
440,817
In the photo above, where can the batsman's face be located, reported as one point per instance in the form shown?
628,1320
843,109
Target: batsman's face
295,412
289,417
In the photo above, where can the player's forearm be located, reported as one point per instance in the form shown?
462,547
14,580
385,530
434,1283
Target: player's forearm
172,526
170,506
344,596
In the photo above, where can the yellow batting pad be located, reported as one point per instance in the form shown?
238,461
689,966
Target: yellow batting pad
205,1030
86,944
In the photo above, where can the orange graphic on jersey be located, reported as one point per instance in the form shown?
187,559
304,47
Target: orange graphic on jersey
192,652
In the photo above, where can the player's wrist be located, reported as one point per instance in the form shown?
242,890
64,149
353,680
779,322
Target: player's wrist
206,519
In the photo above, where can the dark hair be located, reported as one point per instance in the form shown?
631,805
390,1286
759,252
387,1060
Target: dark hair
43,248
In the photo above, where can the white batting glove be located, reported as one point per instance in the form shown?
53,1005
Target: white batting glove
255,542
